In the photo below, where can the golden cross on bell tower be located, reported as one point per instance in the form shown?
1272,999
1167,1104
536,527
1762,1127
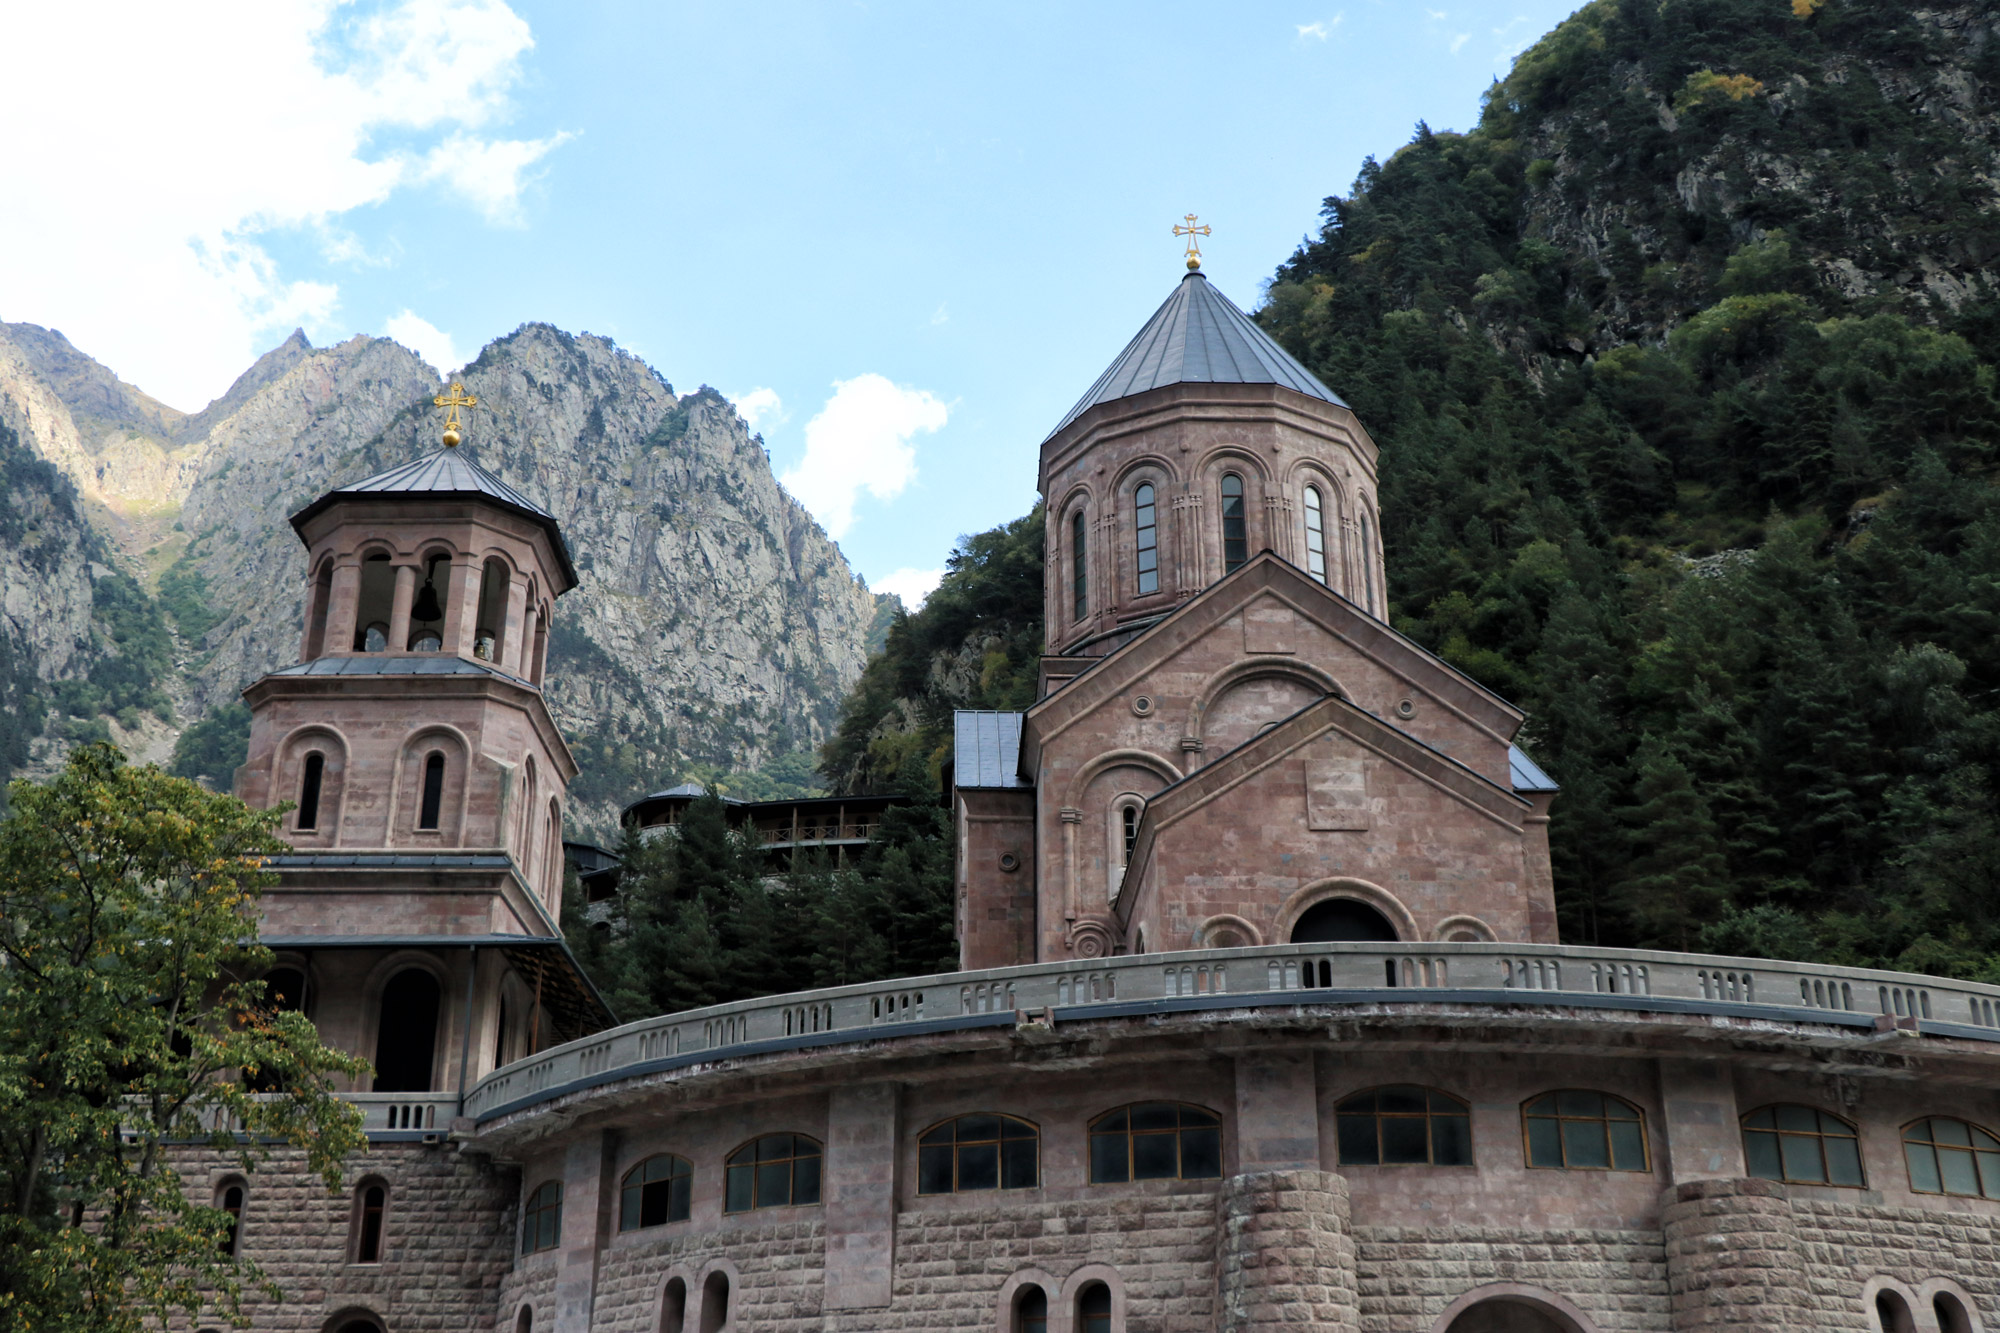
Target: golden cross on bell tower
454,398
1193,246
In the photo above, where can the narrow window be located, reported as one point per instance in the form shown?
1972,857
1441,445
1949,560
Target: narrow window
1131,817
427,816
427,613
1031,1310
773,1171
1367,564
526,1322
1950,1312
657,1191
1892,1313
1155,1141
1802,1146
979,1152
714,1302
1078,569
1584,1131
321,607
1315,536
1148,531
1404,1126
309,786
541,1222
230,1201
375,595
674,1307
1947,1156
1235,537
1093,1309
374,1199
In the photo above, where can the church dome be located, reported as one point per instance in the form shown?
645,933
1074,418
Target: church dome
1198,336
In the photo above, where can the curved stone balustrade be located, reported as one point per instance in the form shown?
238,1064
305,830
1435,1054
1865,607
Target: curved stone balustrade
1461,973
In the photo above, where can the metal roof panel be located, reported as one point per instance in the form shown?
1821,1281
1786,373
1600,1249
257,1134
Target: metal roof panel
1527,775
986,749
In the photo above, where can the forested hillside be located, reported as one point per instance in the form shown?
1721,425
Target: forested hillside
1682,368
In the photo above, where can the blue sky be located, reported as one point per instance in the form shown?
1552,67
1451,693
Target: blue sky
905,238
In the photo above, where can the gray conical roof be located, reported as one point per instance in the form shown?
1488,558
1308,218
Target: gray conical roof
1199,337
446,474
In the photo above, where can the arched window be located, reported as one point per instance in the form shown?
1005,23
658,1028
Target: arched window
1951,1313
433,798
772,1171
309,787
1948,1156
657,1191
1126,811
1315,536
1584,1131
979,1152
230,1199
1129,815
285,990
406,1032
541,1220
1342,921
1147,529
427,613
1093,1309
373,599
1892,1313
1155,1141
1079,571
1404,1126
371,1207
525,1321
714,1302
321,606
495,581
674,1306
1031,1309
1801,1145
1235,535
1367,564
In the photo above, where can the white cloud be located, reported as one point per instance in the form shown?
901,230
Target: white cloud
227,122
426,339
861,441
760,408
912,585
1459,42
1320,30
940,315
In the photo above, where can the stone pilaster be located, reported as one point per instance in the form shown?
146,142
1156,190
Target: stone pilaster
1286,1256
1733,1257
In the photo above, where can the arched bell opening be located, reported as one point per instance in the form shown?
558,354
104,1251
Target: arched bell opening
1342,921
1508,1316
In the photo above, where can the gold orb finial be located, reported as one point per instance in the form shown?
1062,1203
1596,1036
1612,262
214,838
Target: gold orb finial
1193,246
454,398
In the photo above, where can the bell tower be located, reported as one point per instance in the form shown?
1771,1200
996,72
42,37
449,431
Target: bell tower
421,907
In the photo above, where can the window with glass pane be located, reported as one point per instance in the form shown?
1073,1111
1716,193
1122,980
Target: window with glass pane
1130,816
1952,1157
979,1152
657,1191
1584,1131
1148,531
541,1221
1315,536
773,1171
1155,1141
1235,536
1093,1309
1078,569
1801,1145
1031,1310
1404,1126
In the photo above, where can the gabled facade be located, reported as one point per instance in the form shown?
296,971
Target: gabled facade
1232,748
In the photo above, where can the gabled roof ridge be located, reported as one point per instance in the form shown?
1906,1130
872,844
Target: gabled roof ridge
1198,336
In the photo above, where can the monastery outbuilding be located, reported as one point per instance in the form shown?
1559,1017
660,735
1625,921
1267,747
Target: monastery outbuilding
1264,1021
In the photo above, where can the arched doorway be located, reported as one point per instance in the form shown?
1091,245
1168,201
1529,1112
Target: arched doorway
406,1034
1342,921
1502,1315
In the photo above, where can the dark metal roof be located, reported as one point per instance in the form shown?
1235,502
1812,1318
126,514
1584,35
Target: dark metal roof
986,749
373,664
391,860
1198,337
446,474
1526,773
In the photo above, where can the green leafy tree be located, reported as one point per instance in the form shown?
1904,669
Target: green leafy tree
130,1021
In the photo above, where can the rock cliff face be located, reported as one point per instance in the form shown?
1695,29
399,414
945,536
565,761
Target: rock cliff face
715,622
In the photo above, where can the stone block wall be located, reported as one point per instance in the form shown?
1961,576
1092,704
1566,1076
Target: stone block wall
1407,1276
1287,1254
1733,1256
1842,1245
448,1236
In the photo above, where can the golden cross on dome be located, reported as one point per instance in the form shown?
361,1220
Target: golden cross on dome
1193,246
454,398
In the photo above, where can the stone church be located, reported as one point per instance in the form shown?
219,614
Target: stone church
1263,1020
